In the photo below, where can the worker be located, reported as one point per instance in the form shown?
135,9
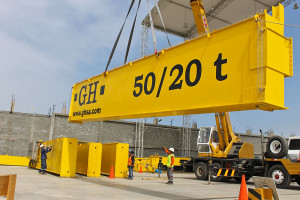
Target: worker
130,164
170,164
44,158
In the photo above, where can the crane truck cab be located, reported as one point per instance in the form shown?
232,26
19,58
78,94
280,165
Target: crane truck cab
207,136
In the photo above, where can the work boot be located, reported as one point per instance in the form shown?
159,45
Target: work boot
169,183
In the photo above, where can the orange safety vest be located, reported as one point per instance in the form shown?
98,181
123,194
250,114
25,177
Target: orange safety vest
129,161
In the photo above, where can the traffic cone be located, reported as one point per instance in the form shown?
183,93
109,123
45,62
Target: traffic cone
111,175
243,190
141,171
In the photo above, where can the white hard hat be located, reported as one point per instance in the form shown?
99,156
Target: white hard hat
171,149
42,145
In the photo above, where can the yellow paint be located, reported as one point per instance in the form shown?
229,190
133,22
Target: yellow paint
265,193
116,155
220,135
62,159
292,168
226,172
219,172
236,88
246,151
89,156
205,154
232,173
200,17
144,162
226,136
13,160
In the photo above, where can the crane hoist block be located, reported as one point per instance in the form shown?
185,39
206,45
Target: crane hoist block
240,67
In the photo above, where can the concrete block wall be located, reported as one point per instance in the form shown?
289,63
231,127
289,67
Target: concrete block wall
17,130
256,141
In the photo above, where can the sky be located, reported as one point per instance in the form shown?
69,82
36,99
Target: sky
49,45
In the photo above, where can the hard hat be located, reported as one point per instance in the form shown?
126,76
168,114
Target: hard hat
131,151
171,149
42,145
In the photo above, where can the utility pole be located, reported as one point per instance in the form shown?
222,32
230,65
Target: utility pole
64,110
49,113
12,107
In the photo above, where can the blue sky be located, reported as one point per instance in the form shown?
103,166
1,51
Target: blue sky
48,45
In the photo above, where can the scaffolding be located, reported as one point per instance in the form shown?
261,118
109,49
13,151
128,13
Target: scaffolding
140,122
186,135
144,41
139,137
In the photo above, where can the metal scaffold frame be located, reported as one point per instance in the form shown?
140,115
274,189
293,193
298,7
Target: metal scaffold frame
186,135
144,41
140,122
139,137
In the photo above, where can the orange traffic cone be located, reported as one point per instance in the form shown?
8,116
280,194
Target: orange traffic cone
141,171
243,190
111,175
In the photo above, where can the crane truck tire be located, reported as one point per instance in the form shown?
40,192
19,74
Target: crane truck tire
277,147
280,176
213,177
298,180
201,171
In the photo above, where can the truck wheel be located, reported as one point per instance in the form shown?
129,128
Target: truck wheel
213,177
277,147
280,175
298,180
201,171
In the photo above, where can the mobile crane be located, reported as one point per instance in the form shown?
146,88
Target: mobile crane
222,153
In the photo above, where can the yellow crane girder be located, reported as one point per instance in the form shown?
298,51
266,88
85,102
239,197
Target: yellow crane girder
219,73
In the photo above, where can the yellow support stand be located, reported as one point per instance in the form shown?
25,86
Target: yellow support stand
116,155
89,156
14,160
62,158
